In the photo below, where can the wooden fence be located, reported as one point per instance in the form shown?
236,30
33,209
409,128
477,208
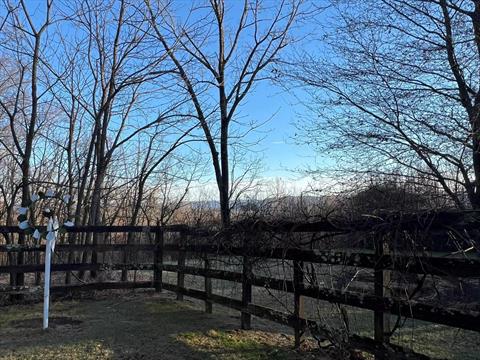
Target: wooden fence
381,262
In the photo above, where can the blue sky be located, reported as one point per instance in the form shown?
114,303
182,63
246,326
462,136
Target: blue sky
280,108
281,156
267,101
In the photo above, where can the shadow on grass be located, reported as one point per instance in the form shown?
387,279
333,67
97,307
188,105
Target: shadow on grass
133,326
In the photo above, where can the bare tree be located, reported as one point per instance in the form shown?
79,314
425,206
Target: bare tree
396,91
219,59
107,76
22,47
120,68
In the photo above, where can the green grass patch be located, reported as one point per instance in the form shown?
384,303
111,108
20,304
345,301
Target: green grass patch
440,341
247,345
88,350
18,313
161,306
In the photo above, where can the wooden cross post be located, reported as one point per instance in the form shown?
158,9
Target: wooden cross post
158,259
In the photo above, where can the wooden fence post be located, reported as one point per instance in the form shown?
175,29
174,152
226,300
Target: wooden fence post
158,259
246,318
12,262
298,277
71,258
126,256
181,266
208,286
20,277
94,258
381,280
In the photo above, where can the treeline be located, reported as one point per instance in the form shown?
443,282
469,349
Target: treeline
123,104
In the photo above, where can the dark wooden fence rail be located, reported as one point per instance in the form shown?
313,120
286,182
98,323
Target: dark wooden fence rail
381,262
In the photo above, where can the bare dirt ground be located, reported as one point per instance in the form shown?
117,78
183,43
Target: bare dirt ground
140,325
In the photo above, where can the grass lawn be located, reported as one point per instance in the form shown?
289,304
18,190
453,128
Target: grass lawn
138,326
144,325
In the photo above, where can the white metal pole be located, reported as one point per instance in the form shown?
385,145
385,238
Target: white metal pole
48,260
46,288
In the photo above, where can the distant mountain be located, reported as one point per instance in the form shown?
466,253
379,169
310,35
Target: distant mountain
205,204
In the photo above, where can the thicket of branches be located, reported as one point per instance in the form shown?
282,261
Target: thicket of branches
395,91
123,104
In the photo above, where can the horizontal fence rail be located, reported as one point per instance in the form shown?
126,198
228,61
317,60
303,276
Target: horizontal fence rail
443,266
